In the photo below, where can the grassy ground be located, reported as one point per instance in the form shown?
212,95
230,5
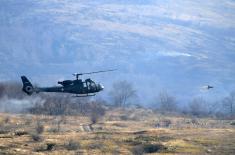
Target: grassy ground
138,131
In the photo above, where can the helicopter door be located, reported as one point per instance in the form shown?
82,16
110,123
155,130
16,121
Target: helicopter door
85,87
92,86
89,86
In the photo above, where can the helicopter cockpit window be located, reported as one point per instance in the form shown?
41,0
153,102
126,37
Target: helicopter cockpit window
90,84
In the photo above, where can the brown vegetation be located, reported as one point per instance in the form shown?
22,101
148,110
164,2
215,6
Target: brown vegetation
157,133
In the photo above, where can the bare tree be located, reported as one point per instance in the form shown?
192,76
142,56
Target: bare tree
97,111
11,89
229,103
198,107
2,88
121,92
167,102
52,105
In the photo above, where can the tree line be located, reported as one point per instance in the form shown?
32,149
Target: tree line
121,95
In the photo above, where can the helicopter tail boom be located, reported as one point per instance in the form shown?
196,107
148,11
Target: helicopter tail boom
27,86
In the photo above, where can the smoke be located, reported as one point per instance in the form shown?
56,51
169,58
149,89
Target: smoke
13,100
15,105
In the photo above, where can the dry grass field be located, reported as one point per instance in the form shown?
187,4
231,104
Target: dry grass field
131,131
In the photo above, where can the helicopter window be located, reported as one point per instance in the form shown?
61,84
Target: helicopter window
84,84
92,84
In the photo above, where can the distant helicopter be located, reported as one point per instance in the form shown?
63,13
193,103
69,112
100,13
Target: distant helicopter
209,87
77,86
206,87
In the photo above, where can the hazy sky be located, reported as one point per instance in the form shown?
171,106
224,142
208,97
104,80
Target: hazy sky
173,45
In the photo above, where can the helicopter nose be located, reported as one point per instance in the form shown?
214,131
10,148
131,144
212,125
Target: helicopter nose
101,87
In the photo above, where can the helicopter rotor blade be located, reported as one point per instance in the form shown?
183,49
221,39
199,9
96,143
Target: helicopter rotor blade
99,71
110,70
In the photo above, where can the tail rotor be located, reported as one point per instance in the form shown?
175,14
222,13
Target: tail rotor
27,86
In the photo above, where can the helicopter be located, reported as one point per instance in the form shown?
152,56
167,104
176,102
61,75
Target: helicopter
78,87
207,87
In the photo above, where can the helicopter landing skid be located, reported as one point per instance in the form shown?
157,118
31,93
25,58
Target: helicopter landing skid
84,95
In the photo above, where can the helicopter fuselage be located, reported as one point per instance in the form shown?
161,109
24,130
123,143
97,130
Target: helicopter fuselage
77,86
74,87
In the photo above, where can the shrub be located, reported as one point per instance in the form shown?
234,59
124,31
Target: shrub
37,137
47,147
116,152
95,146
72,145
54,130
232,123
124,117
58,124
50,146
147,148
4,131
195,121
39,128
152,148
40,148
138,150
7,120
166,123
94,118
28,122
97,111
21,133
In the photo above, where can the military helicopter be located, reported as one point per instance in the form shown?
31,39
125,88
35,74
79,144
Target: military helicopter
207,87
78,87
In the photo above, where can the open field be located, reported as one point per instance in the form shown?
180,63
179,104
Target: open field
133,131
